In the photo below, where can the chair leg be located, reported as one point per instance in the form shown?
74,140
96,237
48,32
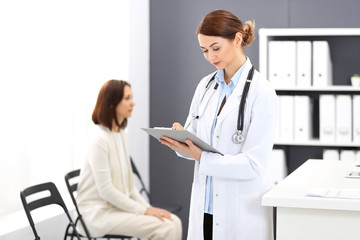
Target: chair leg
67,231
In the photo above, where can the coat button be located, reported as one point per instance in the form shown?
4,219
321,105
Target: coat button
217,224
217,136
216,195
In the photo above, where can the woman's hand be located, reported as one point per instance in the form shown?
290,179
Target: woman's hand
158,212
189,148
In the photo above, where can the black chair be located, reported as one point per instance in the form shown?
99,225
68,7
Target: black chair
170,207
72,187
54,198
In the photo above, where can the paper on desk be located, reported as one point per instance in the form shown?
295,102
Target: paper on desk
334,193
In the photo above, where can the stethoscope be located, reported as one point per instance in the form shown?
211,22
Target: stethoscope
238,137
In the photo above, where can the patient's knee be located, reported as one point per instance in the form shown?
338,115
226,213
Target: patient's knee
169,230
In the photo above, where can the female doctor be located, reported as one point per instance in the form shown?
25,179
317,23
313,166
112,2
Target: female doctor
234,110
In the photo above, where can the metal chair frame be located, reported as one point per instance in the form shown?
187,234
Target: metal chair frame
72,187
54,198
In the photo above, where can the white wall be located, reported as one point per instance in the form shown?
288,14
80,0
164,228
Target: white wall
140,78
58,47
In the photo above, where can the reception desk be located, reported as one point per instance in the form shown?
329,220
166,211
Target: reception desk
301,217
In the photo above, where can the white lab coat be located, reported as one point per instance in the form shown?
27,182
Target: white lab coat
238,175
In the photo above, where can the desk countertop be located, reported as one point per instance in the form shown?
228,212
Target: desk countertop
315,173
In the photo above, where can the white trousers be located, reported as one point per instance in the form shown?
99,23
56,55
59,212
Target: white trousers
144,226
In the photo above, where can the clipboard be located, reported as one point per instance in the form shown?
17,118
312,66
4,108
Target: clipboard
181,136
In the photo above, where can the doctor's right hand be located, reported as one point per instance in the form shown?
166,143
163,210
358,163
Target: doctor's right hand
188,147
177,126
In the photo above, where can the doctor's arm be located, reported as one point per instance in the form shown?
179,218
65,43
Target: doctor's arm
252,160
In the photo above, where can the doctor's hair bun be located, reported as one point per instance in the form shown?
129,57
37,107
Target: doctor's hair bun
224,24
248,35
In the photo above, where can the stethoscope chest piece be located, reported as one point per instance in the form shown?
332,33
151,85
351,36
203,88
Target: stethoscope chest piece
238,137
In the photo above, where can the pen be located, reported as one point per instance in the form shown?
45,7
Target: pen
187,125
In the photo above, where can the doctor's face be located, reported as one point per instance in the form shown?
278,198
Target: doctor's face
219,51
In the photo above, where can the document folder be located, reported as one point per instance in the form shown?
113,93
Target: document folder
322,66
356,118
282,63
181,136
275,64
347,155
277,168
331,154
327,118
357,158
287,117
302,119
303,63
343,119
289,63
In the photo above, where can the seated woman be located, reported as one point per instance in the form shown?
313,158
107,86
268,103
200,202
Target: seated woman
107,197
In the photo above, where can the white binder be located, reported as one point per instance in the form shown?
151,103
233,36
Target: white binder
322,66
282,63
343,119
356,118
331,154
274,61
303,63
327,118
287,117
276,169
357,157
289,63
302,118
347,155
278,130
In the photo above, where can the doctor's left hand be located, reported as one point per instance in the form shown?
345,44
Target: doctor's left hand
189,148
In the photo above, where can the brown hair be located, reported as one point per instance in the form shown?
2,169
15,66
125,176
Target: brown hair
110,94
225,24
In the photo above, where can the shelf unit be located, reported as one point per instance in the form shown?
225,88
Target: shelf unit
267,34
345,50
335,89
316,143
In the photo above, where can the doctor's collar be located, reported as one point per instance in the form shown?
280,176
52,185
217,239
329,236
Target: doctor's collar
219,78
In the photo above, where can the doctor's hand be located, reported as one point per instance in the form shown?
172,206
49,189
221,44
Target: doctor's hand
188,147
177,126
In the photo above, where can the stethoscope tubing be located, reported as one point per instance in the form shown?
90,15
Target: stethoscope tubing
241,114
237,137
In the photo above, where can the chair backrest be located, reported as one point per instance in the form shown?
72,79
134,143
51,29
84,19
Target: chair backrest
136,172
72,185
42,201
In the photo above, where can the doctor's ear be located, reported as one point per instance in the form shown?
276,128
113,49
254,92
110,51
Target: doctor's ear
238,39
